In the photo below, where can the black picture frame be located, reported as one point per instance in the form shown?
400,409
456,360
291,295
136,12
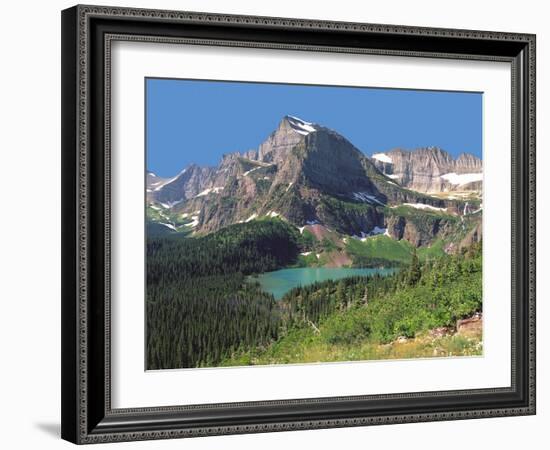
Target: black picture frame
87,416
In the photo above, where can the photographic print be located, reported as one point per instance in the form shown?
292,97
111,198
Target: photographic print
293,224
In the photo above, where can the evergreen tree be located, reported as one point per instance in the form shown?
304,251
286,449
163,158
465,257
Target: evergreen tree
414,270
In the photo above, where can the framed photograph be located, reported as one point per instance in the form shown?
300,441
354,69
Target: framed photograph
279,224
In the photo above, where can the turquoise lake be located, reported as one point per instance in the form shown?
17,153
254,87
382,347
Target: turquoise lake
279,282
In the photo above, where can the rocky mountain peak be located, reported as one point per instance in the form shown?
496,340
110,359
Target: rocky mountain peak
467,161
185,185
299,126
289,133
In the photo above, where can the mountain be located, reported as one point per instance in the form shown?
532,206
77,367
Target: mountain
190,182
317,180
431,170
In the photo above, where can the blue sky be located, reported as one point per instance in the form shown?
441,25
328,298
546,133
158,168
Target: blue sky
190,121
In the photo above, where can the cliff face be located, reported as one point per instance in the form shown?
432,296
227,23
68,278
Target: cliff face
431,170
186,185
276,147
332,164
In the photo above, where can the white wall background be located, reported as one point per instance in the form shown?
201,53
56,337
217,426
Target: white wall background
30,223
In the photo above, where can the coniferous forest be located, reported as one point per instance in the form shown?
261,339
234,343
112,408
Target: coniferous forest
199,307
203,311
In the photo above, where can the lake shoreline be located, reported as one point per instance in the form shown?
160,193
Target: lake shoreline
279,282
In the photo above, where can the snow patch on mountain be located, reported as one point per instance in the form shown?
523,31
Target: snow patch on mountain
258,165
251,170
169,225
463,178
365,197
300,126
169,205
379,230
382,157
160,184
194,221
214,190
424,206
374,232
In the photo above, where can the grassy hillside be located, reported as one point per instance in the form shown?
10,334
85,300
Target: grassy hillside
385,251
361,319
162,221
379,250
307,346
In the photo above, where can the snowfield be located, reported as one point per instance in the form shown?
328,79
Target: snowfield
301,126
376,231
171,204
382,157
424,206
251,170
463,178
195,221
259,165
160,184
215,190
364,197
169,225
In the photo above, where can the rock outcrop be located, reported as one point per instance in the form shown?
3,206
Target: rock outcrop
189,183
431,170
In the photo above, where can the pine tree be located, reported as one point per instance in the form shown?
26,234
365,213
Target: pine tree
414,270
340,294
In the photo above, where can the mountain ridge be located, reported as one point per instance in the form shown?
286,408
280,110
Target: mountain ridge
431,169
309,174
